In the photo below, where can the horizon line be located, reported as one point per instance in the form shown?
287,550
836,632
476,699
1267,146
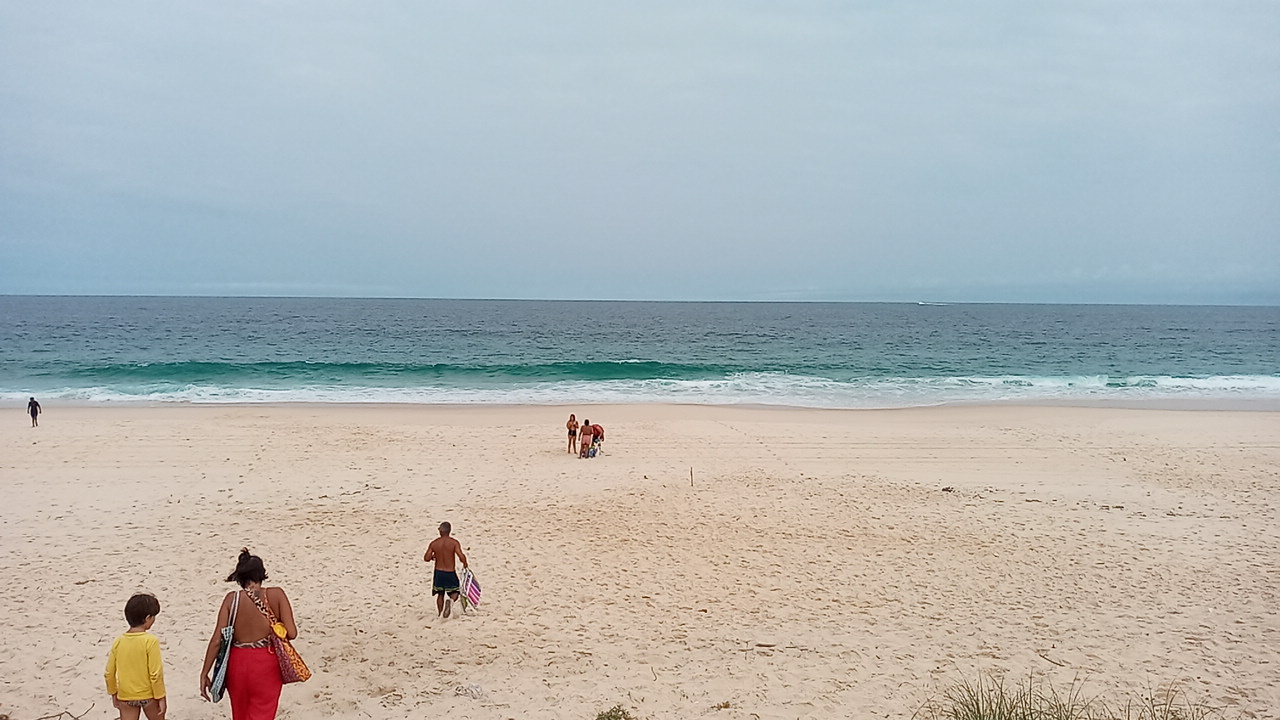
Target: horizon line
923,302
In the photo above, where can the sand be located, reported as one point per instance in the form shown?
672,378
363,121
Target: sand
821,564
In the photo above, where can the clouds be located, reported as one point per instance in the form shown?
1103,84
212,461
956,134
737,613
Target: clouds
723,151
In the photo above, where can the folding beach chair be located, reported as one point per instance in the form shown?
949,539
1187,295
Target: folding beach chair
470,589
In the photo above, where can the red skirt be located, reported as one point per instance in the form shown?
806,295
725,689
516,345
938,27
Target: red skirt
253,682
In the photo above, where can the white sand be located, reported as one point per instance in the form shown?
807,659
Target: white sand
816,568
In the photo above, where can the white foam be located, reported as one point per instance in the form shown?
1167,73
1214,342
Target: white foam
743,388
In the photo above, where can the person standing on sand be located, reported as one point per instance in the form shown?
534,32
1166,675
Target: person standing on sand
443,550
135,670
33,407
253,672
572,425
585,432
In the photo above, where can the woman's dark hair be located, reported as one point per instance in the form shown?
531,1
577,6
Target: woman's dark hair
249,569
140,607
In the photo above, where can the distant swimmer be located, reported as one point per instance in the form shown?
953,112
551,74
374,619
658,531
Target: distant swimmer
33,407
443,550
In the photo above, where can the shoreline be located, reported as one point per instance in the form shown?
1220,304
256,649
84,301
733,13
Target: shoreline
1171,404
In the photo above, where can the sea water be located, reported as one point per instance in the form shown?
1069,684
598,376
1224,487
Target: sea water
91,350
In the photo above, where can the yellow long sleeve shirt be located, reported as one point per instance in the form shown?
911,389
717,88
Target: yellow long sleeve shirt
134,668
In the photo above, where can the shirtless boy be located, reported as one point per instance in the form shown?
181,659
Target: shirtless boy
443,551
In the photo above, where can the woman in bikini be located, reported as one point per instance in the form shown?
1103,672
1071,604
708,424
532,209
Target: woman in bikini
573,433
253,673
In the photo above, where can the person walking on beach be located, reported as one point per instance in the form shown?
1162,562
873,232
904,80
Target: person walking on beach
254,680
585,432
135,670
573,432
445,551
33,408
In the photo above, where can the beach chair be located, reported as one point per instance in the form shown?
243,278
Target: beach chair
470,590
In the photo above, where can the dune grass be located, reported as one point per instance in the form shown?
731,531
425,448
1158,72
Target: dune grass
992,697
1032,698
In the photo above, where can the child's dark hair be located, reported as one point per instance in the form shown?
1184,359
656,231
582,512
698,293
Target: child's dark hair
249,569
140,607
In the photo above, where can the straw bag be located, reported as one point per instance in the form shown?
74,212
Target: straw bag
292,668
219,686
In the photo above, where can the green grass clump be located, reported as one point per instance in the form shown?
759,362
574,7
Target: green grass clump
1173,704
617,712
991,698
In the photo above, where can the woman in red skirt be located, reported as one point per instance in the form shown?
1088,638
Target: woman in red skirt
253,672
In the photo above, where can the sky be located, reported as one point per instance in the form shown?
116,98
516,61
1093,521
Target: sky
998,151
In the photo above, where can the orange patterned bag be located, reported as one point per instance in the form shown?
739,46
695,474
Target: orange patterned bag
292,668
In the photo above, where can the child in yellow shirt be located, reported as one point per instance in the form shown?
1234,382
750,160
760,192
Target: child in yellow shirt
135,673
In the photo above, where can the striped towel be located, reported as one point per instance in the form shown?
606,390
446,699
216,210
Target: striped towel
470,587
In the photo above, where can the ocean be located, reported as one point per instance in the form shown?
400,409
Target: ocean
151,350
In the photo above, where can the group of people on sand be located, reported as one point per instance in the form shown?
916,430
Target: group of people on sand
254,679
585,438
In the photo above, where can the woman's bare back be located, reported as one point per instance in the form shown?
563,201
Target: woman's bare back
251,625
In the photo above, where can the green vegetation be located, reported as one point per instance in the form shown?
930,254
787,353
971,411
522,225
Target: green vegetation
990,698
617,712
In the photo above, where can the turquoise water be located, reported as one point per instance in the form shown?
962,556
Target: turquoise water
109,350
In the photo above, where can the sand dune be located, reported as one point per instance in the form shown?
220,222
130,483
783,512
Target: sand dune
816,567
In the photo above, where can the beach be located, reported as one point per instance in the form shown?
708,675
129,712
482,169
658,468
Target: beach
792,563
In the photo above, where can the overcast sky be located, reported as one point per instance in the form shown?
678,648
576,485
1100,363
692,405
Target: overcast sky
979,151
